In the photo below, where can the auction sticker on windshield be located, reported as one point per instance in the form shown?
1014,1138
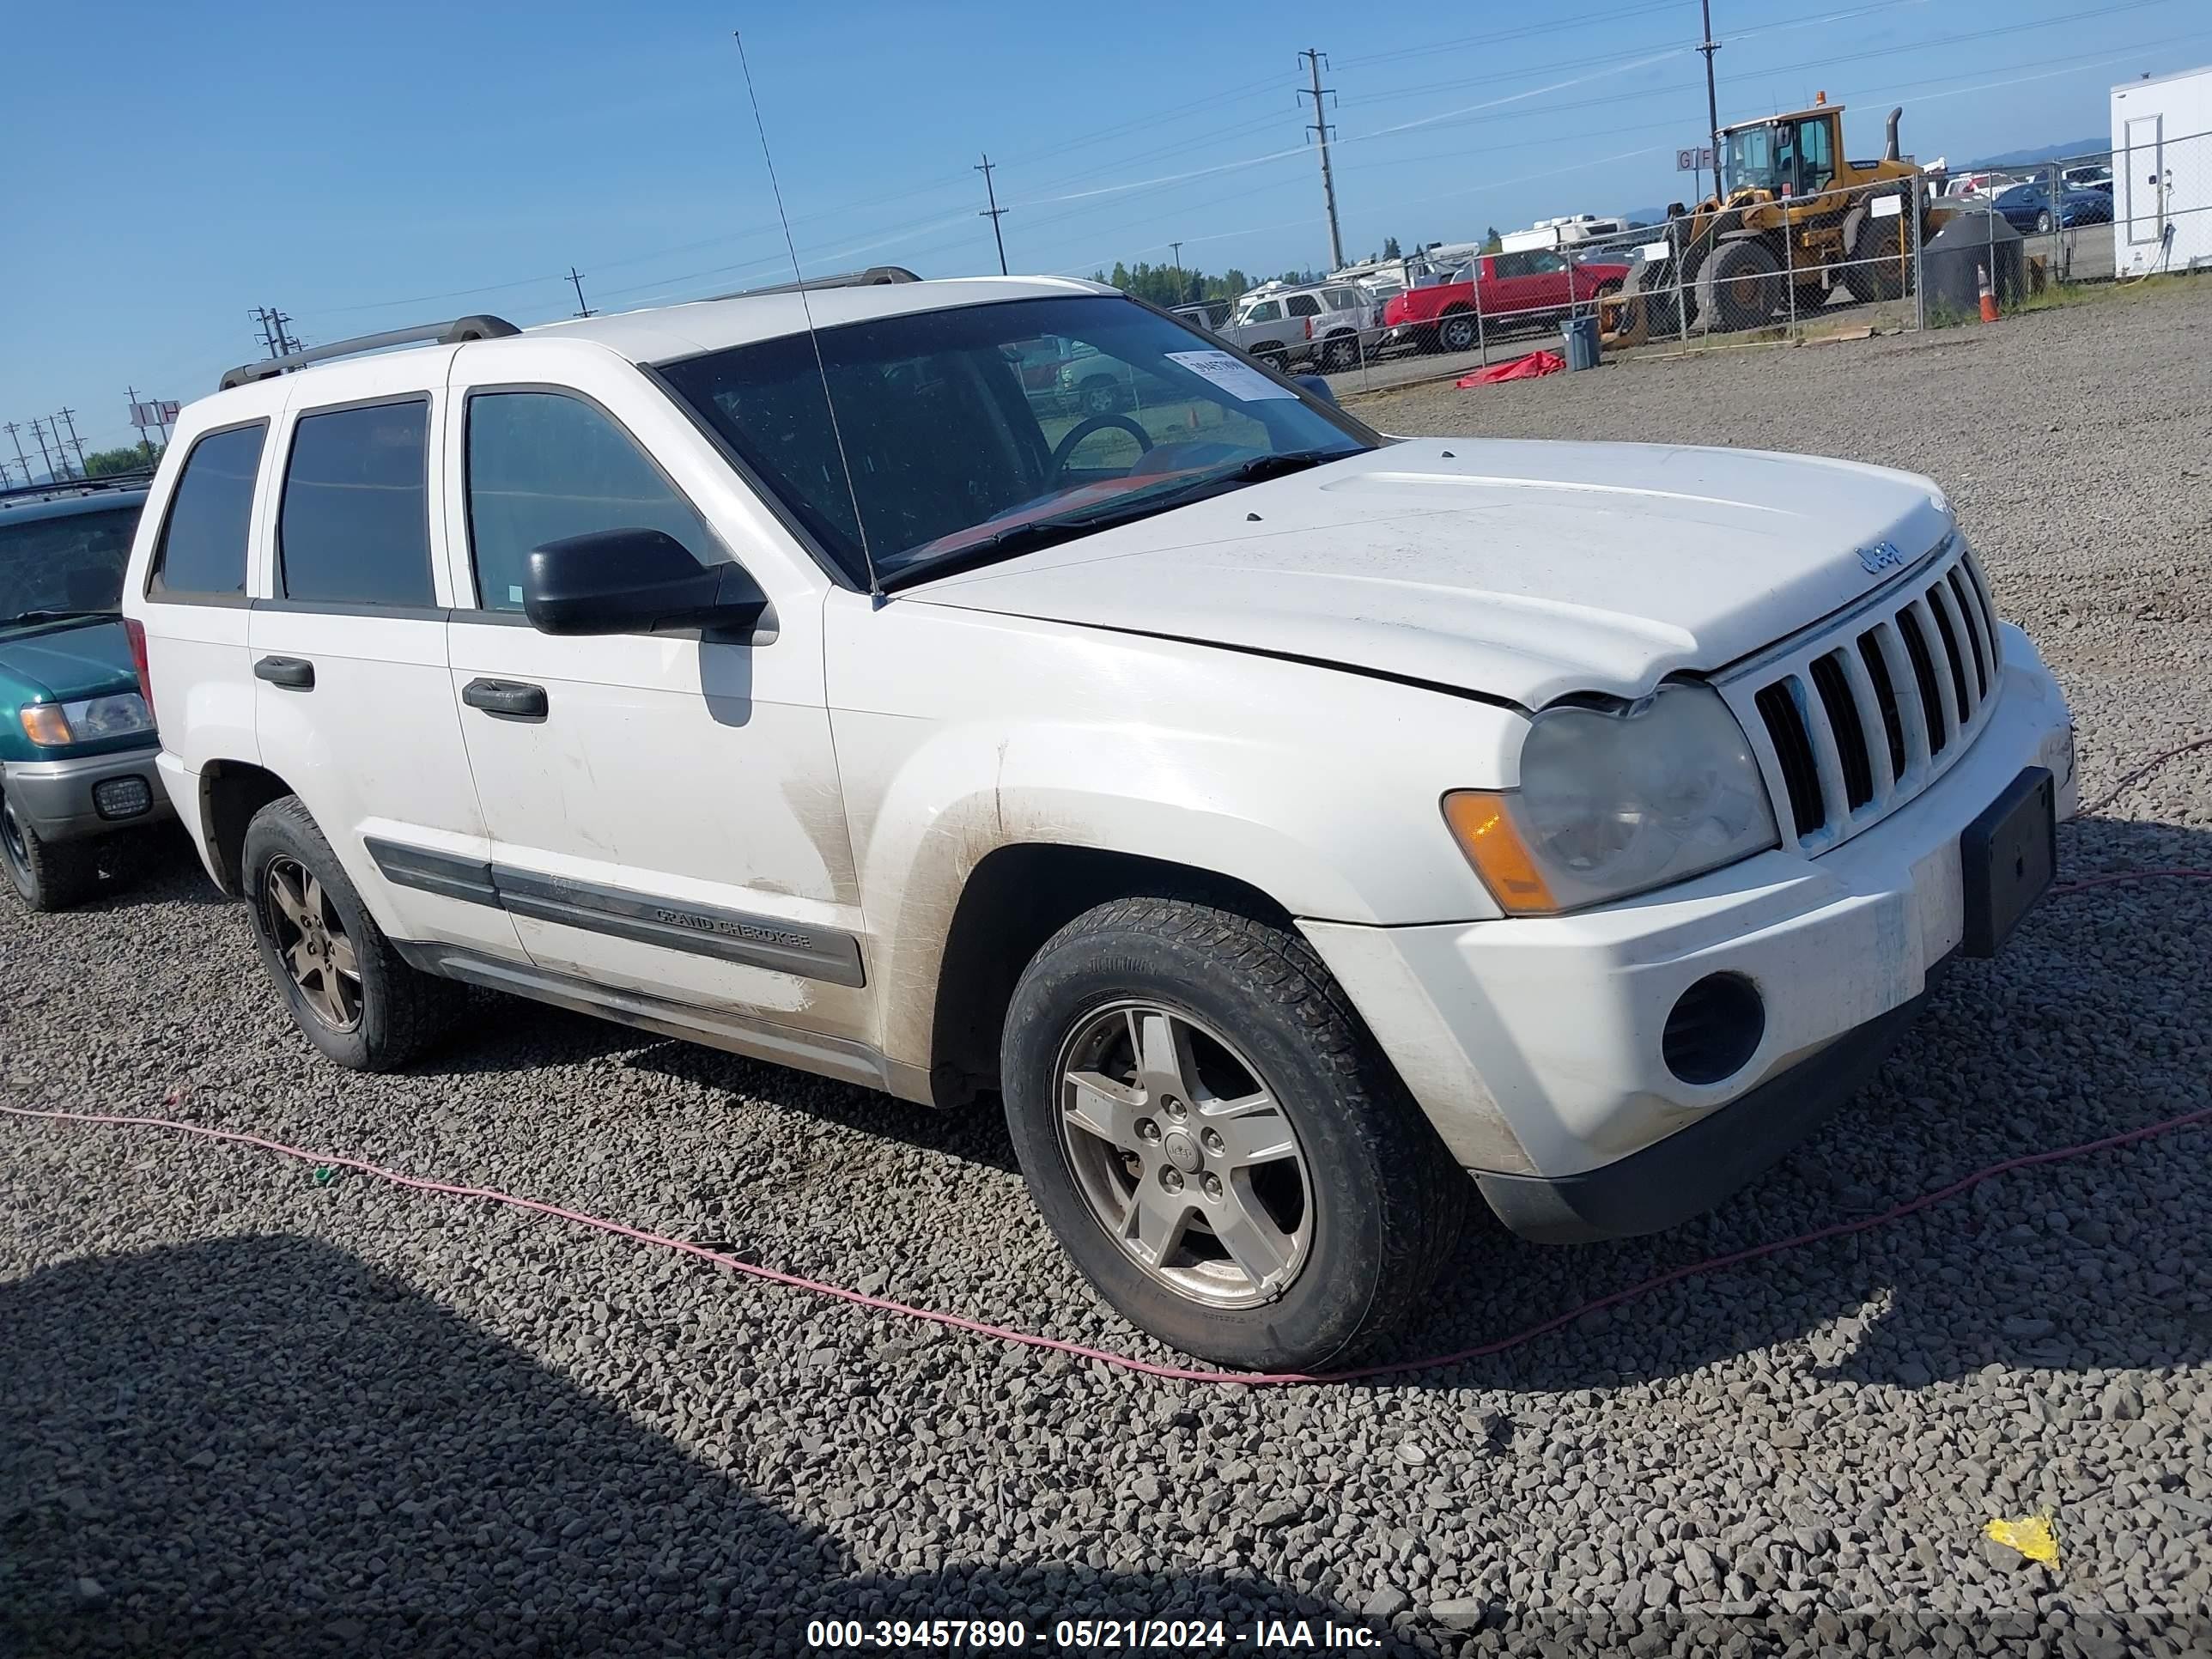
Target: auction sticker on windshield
1239,380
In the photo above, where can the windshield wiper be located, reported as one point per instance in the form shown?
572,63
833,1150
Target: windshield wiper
1295,460
1022,539
1044,533
54,616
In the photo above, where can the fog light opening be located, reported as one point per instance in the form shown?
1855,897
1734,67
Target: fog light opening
121,798
1714,1028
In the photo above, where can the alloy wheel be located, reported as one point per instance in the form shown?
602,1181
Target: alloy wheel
1184,1154
312,943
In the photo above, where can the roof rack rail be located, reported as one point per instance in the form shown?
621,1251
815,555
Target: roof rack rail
137,479
874,276
460,329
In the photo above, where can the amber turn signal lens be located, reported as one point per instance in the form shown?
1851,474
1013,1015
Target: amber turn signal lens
45,724
1487,835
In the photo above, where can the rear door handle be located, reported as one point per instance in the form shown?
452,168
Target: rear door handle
510,700
297,672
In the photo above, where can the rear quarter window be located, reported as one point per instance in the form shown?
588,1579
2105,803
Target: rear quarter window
203,545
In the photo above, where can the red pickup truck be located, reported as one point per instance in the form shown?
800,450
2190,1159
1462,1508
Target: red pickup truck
1533,287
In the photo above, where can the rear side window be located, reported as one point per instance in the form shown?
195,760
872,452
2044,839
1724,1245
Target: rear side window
355,528
202,546
1303,305
544,466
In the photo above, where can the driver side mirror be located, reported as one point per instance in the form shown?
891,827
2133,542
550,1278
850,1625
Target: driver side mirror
635,580
1318,386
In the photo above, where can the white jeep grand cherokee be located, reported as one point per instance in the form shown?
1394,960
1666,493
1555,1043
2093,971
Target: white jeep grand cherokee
1288,824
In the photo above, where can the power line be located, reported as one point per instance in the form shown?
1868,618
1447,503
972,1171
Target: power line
1311,58
994,212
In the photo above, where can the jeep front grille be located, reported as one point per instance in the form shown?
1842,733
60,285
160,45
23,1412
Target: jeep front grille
1860,715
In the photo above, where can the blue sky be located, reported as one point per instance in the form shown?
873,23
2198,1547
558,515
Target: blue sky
359,166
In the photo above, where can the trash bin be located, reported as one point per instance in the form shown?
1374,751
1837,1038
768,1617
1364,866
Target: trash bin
1973,242
1578,341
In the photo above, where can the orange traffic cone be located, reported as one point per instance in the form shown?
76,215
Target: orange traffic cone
1989,294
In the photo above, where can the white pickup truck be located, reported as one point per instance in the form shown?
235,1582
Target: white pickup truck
1301,831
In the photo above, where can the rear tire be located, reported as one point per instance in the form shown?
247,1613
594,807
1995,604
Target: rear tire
48,875
1334,1202
349,991
1877,270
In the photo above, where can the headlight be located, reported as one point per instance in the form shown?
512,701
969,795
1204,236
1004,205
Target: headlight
86,720
1611,804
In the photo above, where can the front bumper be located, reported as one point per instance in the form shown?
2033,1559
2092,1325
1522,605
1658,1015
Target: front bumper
1535,1045
63,800
1694,1169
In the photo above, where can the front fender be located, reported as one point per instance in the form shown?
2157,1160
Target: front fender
1317,787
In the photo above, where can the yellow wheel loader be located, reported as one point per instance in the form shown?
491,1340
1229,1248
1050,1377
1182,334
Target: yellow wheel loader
1793,209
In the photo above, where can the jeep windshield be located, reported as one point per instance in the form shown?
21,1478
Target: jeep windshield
983,431
58,565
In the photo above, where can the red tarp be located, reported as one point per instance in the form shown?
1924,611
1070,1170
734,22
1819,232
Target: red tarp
1520,368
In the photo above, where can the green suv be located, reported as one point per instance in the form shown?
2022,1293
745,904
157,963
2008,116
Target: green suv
77,739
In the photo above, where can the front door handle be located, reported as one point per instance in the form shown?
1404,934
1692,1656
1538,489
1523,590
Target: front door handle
295,672
508,700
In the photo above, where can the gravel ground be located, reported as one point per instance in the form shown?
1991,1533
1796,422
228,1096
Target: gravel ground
244,1409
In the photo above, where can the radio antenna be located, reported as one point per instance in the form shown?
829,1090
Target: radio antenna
806,310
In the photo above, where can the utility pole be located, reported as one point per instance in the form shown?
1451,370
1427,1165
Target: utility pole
1177,247
273,334
39,432
75,442
994,212
582,310
14,433
1312,56
1709,47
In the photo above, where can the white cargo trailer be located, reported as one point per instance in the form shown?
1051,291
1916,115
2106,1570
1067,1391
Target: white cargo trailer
2162,172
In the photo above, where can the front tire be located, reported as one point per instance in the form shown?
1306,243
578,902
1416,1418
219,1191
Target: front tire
1210,1132
48,875
349,991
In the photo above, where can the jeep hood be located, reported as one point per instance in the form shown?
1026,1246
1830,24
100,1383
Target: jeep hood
1517,570
64,661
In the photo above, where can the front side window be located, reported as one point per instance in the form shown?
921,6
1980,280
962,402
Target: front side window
67,563
544,466
1266,311
355,526
202,547
943,453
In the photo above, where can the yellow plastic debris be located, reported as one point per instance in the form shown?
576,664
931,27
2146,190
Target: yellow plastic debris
2033,1535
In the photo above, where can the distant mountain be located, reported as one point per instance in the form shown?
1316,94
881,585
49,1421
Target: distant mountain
2096,150
1644,215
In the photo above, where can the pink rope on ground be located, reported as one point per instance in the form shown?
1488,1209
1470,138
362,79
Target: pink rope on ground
1076,1350
2142,771
1126,1361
